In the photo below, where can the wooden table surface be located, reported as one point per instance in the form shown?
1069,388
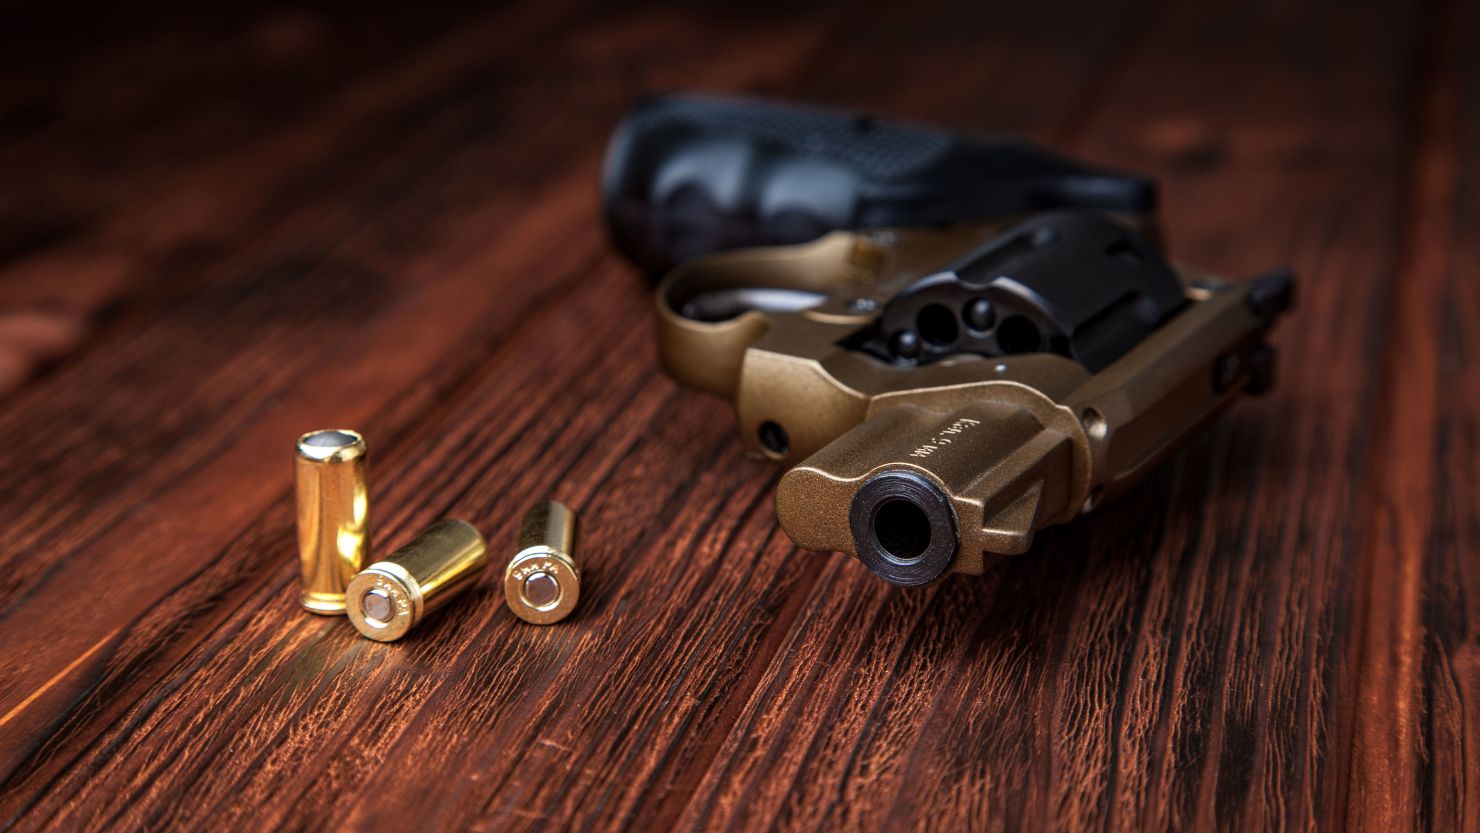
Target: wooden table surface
219,229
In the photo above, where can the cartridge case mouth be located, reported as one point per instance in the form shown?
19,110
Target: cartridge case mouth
903,528
338,445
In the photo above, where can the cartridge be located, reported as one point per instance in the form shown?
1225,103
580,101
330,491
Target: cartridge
330,469
392,596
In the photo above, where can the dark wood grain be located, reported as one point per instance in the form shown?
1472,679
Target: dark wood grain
221,228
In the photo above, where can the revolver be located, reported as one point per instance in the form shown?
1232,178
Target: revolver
951,343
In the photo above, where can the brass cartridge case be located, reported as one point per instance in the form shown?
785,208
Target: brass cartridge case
392,596
542,583
330,470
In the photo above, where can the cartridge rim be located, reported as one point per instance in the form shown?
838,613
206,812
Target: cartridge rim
323,603
530,563
400,592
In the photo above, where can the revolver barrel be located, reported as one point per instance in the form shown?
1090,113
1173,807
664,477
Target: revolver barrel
915,493
953,479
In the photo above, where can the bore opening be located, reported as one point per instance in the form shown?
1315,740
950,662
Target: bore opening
774,438
1017,334
1094,424
937,325
902,529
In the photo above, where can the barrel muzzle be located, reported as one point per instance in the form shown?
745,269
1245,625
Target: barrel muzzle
916,494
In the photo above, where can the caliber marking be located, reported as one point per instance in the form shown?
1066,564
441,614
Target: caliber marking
945,437
529,568
398,597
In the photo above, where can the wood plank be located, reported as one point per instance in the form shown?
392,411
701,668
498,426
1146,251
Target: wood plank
171,85
1415,757
130,228
1255,717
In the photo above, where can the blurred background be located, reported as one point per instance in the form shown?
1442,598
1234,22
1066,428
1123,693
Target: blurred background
140,138
222,225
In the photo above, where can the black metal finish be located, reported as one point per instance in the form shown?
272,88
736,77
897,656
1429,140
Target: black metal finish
903,528
688,175
1074,283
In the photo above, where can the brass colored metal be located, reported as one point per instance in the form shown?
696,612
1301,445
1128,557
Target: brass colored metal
542,582
333,515
979,450
392,596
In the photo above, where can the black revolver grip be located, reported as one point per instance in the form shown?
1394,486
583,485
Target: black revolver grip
687,175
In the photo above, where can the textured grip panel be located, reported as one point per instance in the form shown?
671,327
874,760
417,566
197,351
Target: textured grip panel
687,175
879,149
